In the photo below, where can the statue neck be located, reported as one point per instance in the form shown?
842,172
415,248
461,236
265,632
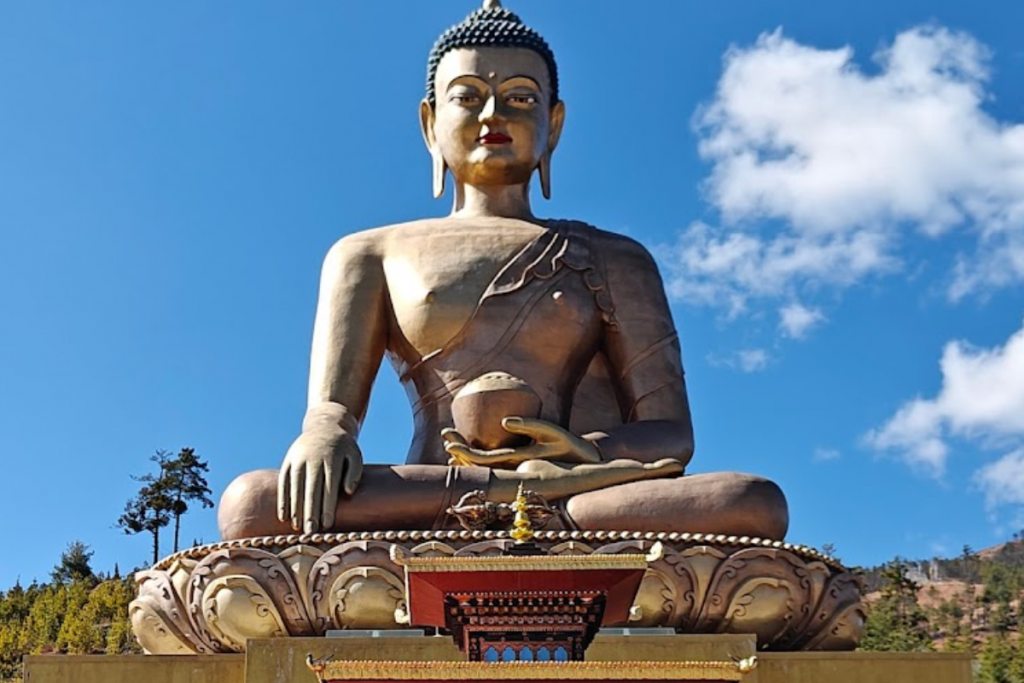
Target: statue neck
504,201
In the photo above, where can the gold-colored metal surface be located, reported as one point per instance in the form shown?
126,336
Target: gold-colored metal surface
270,661
540,563
522,529
790,598
531,671
575,313
475,513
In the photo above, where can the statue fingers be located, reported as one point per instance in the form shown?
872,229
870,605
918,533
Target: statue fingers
353,474
312,503
536,429
332,482
539,450
460,453
296,496
283,491
667,465
453,436
472,456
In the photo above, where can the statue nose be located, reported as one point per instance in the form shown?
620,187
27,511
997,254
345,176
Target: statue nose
491,110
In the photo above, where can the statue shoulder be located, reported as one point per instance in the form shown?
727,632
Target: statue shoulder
615,249
372,244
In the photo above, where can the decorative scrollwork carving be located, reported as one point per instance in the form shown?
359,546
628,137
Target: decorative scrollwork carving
213,598
329,587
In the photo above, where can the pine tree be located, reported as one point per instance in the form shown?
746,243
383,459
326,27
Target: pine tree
74,565
100,623
166,496
185,483
147,512
896,622
968,563
995,660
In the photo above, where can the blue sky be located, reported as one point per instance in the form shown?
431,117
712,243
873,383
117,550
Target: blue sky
834,191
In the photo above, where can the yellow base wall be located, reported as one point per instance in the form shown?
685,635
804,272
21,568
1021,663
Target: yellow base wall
863,667
136,669
284,661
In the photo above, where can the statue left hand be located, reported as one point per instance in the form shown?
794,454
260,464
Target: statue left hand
550,442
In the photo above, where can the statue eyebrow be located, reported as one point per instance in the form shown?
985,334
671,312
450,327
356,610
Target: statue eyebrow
461,80
519,77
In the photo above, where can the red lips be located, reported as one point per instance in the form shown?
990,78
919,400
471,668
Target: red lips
494,139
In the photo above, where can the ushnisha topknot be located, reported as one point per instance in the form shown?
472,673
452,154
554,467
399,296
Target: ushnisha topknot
490,26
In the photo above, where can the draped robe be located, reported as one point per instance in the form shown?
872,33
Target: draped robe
550,317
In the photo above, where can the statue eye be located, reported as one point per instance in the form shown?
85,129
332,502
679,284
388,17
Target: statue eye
522,100
464,98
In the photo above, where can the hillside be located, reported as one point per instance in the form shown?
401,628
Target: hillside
971,602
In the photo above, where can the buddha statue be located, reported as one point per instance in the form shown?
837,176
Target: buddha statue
483,303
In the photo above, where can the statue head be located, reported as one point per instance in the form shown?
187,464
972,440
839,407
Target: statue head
492,114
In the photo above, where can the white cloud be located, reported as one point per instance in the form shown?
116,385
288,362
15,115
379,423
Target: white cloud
982,398
826,454
728,270
837,169
745,360
753,360
796,320
1003,480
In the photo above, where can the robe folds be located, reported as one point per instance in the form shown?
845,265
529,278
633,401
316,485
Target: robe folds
580,315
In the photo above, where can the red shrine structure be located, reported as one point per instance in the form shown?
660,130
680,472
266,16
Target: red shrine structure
523,615
520,607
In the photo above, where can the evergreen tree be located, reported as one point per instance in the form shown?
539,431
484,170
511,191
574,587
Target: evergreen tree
41,628
166,496
995,660
152,508
74,565
1016,668
896,622
968,564
100,624
147,512
75,613
185,484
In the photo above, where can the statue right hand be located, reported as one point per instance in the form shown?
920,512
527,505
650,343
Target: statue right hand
321,463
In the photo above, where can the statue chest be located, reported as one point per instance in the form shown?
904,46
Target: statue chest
435,284
552,317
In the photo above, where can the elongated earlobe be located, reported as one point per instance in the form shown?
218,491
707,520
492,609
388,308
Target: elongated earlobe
544,169
440,171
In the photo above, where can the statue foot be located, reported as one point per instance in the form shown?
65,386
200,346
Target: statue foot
620,495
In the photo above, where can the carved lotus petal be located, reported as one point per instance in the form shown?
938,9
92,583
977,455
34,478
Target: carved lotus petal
367,597
156,634
236,608
292,586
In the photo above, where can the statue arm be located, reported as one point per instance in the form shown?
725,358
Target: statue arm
645,364
349,338
349,334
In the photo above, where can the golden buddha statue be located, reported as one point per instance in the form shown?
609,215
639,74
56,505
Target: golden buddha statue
576,315
539,356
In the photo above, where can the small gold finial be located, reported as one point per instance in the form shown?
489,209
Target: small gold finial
492,4
522,529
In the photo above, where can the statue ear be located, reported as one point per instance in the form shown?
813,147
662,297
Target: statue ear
438,164
556,122
555,126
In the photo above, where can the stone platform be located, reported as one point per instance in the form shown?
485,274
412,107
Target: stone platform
212,599
284,661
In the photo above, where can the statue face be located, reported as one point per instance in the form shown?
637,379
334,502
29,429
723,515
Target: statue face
493,119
